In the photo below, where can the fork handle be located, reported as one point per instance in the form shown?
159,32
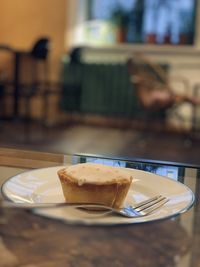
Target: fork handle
9,204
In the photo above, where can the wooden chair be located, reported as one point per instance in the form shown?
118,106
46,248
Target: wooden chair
32,80
39,84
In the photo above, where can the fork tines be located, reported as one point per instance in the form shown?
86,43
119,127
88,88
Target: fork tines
153,202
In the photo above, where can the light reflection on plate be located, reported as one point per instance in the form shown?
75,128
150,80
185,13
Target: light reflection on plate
43,185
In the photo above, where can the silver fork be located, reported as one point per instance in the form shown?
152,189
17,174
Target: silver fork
141,209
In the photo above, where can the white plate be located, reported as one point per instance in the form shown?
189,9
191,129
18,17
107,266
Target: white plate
43,185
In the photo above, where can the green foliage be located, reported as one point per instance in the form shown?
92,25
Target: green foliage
120,17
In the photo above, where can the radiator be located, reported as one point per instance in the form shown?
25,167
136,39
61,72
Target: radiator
98,88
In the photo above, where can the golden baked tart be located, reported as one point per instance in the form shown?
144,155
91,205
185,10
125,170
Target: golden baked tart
95,183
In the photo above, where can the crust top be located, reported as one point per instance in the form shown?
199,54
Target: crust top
92,173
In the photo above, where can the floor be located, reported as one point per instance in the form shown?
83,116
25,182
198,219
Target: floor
103,141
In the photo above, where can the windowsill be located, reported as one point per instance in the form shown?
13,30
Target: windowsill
177,56
188,50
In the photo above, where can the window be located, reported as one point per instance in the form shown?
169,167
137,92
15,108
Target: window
142,21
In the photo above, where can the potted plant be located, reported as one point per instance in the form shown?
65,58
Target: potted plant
120,19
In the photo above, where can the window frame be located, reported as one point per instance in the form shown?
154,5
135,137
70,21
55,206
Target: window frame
78,13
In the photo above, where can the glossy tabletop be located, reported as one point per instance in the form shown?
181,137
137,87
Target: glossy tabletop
27,239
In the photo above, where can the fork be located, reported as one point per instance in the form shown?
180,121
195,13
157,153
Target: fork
143,208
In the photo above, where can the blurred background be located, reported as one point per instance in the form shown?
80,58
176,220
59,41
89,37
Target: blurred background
111,77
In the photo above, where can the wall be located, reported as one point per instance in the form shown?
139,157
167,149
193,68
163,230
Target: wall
23,21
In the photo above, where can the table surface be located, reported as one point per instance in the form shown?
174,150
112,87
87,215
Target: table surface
29,240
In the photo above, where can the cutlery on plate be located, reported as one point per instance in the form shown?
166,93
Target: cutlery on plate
140,209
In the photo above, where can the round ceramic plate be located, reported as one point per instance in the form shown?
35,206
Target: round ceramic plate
43,186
